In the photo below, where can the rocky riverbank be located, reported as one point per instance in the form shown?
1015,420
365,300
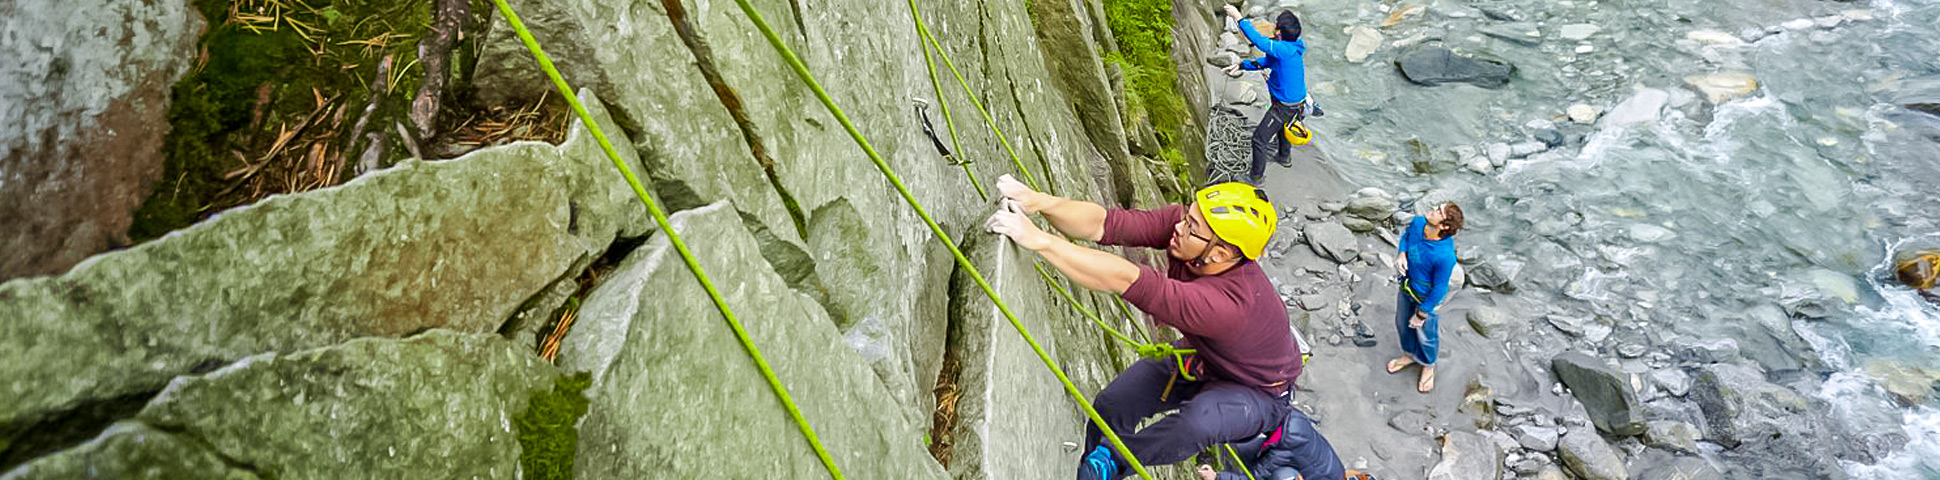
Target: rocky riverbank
1572,352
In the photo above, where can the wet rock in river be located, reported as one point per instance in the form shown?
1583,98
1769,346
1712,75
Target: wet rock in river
1578,31
1908,384
1722,87
1583,113
1362,41
1520,33
1433,65
1485,275
1642,107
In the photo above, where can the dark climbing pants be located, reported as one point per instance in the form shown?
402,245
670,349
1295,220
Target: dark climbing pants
1209,412
1269,142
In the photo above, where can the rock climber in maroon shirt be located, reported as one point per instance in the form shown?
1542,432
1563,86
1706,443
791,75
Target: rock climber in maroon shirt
1238,383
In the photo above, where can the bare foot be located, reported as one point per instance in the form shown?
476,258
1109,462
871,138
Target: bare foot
1397,364
1206,472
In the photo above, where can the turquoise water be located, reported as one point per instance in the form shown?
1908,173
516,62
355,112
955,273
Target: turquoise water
1790,198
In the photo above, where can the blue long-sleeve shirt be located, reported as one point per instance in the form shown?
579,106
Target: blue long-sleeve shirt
1430,263
1287,78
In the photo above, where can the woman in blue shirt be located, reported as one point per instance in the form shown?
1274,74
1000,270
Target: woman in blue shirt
1426,260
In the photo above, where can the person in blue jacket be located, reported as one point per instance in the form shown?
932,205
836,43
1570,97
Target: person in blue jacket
1286,82
1426,260
1295,450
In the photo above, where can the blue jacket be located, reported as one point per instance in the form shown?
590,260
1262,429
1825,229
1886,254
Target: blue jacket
1300,450
1430,263
1287,80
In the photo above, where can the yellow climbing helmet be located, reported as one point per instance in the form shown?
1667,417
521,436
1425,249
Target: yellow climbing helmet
1239,214
1297,134
1920,271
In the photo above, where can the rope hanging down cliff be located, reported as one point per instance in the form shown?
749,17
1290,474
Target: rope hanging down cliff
660,219
801,71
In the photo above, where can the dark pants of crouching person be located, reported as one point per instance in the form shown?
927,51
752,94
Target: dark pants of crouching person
1210,412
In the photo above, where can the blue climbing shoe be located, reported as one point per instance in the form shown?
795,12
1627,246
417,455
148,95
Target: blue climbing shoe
1099,465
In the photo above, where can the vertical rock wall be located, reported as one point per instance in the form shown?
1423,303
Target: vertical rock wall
833,273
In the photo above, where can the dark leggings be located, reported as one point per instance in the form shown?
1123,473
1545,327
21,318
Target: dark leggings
1209,412
1269,143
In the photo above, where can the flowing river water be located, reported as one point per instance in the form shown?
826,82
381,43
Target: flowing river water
1780,207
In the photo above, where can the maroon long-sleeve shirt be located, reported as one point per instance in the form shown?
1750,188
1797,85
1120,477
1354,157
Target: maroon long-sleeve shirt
1234,319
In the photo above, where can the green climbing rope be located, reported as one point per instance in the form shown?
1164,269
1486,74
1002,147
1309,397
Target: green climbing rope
936,89
801,70
1240,461
1145,348
660,218
924,30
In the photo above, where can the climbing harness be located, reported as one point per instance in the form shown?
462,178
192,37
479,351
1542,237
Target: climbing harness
673,237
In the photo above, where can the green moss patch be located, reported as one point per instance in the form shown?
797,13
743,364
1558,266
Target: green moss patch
548,437
277,83
1143,29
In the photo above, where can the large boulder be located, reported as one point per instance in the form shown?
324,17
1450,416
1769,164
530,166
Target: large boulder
418,246
84,89
1591,458
1605,393
1434,65
674,392
1466,456
132,450
1333,241
434,405
1772,431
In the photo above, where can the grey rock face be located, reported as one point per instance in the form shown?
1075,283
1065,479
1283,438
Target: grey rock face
1371,208
1487,276
438,402
1672,435
1333,241
1491,322
1437,65
844,224
1590,457
1610,400
84,88
662,357
131,450
1537,438
1014,415
421,245
1673,381
1465,456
